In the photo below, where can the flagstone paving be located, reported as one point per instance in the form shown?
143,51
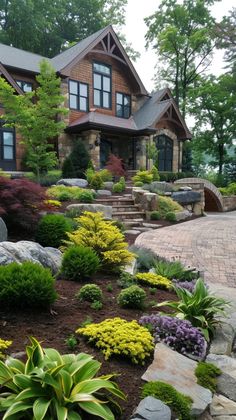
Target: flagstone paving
207,243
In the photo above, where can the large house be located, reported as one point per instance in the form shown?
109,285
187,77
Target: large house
109,107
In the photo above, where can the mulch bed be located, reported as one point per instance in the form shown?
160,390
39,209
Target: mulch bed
52,328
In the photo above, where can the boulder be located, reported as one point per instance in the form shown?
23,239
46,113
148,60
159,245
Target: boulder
30,251
185,188
108,185
103,192
222,405
177,370
94,208
161,186
73,182
186,197
226,383
131,268
223,340
182,215
3,230
151,408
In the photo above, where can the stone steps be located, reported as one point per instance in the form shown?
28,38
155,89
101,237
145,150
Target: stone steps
123,215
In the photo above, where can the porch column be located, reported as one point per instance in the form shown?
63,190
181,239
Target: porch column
91,140
141,152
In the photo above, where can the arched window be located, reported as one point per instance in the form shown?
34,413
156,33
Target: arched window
165,152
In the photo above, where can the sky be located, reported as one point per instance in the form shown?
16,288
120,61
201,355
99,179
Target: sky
135,30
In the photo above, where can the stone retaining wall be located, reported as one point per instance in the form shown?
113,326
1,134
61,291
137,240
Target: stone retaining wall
196,208
229,202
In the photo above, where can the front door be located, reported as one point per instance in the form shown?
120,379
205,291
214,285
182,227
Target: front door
105,151
7,149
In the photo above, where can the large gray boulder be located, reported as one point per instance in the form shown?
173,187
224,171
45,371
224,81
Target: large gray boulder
223,340
182,215
186,197
151,408
178,370
30,251
73,182
3,230
222,406
226,383
161,186
103,192
94,208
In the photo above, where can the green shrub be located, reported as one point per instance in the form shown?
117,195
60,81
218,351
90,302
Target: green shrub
117,188
199,307
51,230
96,181
86,196
26,286
126,280
97,305
105,175
173,176
138,184
54,386
132,297
206,374
71,342
79,263
122,182
78,162
50,178
90,293
64,193
170,216
229,190
155,215
166,205
174,270
155,173
179,403
89,173
143,176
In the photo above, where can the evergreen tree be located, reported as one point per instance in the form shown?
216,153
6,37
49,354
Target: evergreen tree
77,162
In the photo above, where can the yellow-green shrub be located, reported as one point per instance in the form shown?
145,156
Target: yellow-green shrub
118,337
4,344
166,205
143,176
64,193
54,203
154,280
104,238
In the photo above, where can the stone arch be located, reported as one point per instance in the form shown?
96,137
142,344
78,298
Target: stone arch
213,197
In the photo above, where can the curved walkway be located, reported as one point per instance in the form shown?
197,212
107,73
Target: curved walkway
207,243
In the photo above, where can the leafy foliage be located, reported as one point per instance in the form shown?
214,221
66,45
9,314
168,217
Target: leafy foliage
96,181
79,262
179,403
36,117
166,205
170,216
119,337
51,385
64,193
26,286
155,173
199,307
146,258
146,177
206,374
173,176
155,215
104,238
119,187
90,293
132,297
75,165
4,344
176,333
115,166
229,190
52,229
174,270
105,175
20,202
154,280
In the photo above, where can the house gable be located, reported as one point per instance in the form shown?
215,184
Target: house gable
4,73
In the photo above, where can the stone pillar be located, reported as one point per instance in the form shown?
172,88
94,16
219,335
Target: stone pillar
65,146
91,139
141,152
175,162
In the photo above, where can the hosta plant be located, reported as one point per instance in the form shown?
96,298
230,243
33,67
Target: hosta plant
174,270
104,238
200,307
176,333
54,386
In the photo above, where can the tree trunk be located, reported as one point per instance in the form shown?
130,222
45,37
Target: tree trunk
221,157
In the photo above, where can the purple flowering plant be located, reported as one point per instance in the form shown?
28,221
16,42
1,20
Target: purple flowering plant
176,333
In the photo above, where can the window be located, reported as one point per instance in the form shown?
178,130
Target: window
25,86
78,92
7,139
123,105
101,85
165,152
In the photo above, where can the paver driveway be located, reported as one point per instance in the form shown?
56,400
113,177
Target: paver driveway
208,243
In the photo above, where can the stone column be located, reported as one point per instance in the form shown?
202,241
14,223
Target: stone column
141,152
91,139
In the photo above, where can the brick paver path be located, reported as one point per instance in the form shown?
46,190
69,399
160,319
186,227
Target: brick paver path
207,243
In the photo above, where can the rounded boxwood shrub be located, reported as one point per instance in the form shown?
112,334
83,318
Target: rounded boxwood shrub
170,216
79,263
132,297
52,230
96,181
86,197
155,215
26,286
117,188
90,293
138,184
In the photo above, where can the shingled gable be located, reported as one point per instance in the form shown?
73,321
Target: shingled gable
160,105
111,47
11,81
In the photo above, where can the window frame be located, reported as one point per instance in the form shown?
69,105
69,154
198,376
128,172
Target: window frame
123,106
7,130
166,161
78,96
22,82
102,90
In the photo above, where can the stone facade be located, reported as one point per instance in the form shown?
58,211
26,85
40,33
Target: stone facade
229,203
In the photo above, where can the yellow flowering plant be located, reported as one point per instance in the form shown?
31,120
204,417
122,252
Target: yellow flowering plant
4,344
54,203
104,238
118,337
154,280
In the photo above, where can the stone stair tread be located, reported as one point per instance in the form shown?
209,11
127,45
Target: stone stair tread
151,225
120,213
